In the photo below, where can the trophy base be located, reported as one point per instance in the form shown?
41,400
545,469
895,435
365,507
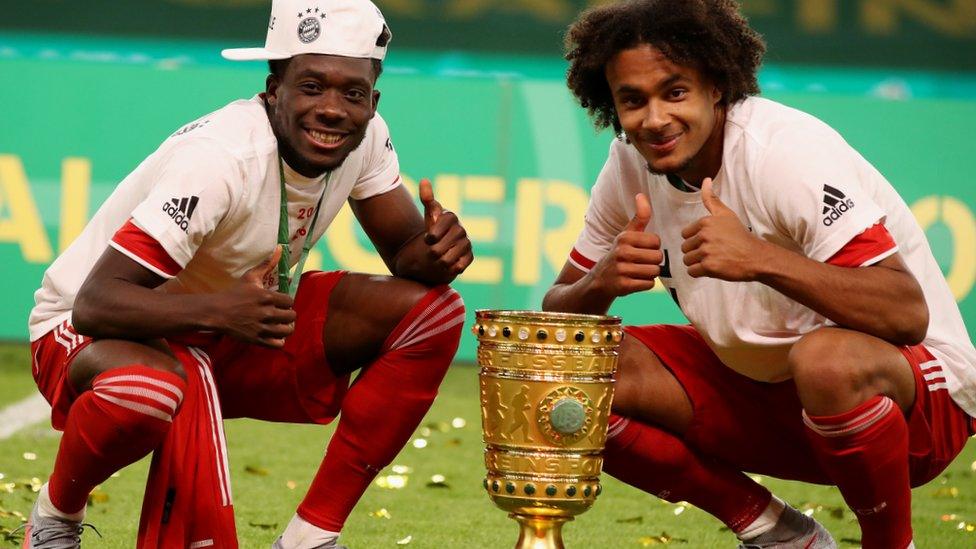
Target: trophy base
538,532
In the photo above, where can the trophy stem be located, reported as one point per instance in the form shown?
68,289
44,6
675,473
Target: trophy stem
540,532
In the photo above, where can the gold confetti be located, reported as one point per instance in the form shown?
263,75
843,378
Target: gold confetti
255,470
8,487
381,513
35,485
30,456
291,484
425,431
437,481
662,539
972,467
419,443
947,518
391,482
946,492
758,479
402,469
2,476
97,497
458,423
678,510
405,541
966,526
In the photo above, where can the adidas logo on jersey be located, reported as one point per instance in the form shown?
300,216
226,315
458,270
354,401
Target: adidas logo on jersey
180,209
835,204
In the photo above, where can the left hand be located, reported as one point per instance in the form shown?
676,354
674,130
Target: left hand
718,245
449,248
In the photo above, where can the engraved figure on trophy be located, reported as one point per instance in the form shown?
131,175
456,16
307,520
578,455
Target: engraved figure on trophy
496,418
603,416
520,413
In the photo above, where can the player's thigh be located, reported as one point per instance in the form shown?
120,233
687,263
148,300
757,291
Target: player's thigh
647,391
102,355
363,311
835,370
754,426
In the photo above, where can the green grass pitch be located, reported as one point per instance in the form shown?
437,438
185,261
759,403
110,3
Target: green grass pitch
272,465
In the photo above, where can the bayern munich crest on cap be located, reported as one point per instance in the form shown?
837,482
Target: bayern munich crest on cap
348,28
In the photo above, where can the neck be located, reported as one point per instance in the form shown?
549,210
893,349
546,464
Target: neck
709,159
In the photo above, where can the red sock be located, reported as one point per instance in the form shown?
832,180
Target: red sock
865,452
660,463
384,406
125,415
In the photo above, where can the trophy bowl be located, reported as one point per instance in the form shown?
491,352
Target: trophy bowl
546,387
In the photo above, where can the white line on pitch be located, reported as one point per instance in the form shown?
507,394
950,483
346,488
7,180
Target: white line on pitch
18,415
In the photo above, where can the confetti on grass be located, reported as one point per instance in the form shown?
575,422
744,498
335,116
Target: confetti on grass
255,470
662,539
392,482
631,520
438,481
381,513
30,456
405,541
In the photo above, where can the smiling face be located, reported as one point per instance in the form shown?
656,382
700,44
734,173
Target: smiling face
669,112
319,110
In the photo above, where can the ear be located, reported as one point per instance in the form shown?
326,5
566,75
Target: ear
376,102
716,95
271,84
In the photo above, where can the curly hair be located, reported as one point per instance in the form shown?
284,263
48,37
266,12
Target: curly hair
709,35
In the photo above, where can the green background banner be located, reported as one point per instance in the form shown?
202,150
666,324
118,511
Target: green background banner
509,151
907,33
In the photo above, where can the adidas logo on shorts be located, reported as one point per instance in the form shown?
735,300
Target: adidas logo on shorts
180,209
835,204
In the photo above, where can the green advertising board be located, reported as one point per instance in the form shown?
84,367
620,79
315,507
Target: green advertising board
509,151
906,33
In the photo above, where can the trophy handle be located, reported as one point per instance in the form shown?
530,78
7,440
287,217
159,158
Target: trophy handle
540,532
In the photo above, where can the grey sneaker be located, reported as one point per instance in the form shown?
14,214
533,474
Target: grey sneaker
52,533
331,545
794,530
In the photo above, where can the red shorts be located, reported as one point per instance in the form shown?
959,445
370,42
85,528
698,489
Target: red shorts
758,427
292,384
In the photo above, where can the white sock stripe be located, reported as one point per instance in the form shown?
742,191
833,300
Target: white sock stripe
429,309
216,424
434,318
421,332
935,374
938,386
136,406
855,425
459,319
934,363
119,379
617,427
139,391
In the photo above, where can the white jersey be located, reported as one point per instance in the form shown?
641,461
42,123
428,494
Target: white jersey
795,182
209,199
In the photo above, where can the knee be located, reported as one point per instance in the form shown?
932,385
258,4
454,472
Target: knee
824,366
141,393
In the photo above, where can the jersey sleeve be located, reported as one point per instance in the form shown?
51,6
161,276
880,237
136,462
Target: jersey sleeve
191,194
813,189
381,166
866,249
606,216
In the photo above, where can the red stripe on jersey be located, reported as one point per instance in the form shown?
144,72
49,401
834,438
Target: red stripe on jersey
582,260
146,248
872,243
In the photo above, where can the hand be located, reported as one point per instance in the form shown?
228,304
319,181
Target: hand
449,249
254,314
718,245
635,259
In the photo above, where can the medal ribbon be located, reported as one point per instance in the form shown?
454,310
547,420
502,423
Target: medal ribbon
284,273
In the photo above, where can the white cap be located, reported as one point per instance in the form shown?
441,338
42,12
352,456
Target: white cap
350,28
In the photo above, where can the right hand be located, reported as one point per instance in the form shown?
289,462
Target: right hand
635,259
254,314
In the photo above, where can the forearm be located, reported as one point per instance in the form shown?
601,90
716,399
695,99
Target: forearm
122,310
883,302
583,296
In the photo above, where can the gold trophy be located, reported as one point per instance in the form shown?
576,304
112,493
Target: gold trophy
546,387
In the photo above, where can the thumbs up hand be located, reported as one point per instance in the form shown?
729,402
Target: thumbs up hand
719,245
635,259
448,246
250,312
